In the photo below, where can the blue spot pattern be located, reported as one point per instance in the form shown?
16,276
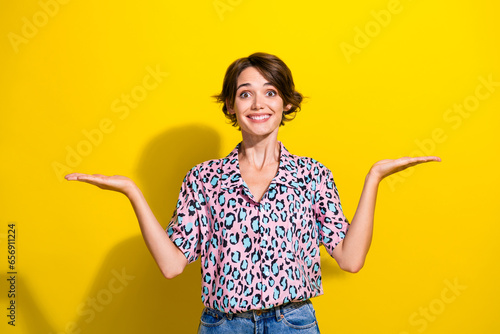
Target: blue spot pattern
257,254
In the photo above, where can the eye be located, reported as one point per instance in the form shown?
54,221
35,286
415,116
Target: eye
244,94
271,93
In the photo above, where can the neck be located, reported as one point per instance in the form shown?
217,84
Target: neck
260,153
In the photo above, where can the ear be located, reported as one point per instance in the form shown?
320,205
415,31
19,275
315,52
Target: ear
229,107
287,107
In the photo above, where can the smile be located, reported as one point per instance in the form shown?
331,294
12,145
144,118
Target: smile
259,117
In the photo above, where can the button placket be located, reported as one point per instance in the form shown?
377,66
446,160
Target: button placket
265,230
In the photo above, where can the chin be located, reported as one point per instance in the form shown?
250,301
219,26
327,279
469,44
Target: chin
262,133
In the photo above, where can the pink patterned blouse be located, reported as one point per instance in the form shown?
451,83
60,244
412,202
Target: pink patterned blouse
258,255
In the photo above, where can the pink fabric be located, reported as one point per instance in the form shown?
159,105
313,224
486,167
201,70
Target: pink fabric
258,255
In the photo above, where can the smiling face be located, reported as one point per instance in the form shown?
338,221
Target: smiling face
257,105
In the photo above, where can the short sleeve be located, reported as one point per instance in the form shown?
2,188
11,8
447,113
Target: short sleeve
184,228
332,224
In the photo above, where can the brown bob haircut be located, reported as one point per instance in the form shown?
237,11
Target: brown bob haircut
274,70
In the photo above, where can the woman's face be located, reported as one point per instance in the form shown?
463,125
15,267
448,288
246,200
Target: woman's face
257,105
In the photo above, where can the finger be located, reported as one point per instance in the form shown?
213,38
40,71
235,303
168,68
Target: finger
412,164
73,176
432,157
407,160
419,160
91,178
94,179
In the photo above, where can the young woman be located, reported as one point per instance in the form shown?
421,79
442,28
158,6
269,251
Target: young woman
258,216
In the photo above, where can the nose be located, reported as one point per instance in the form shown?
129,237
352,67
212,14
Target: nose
257,102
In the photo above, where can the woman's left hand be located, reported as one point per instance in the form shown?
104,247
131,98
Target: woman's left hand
386,167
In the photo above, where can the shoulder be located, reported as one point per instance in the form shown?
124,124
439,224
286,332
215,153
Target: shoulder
206,170
308,165
310,171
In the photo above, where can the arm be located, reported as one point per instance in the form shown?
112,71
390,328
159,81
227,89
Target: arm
351,252
169,258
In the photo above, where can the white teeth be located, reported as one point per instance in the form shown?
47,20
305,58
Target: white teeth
259,117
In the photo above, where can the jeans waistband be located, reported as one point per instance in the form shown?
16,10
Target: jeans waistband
275,311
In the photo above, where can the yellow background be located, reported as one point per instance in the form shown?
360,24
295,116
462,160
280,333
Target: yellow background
434,226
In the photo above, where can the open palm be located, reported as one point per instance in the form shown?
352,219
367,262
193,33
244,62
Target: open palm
386,167
115,182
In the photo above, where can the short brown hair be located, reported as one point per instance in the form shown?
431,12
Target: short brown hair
274,70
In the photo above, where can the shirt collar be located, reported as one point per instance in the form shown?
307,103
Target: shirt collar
286,175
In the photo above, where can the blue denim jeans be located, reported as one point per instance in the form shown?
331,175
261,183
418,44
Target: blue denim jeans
296,317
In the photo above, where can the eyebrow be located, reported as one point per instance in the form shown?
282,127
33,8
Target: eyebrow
249,84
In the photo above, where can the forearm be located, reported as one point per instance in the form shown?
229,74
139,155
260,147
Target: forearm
357,241
169,258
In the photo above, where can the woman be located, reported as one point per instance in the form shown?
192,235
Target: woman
257,217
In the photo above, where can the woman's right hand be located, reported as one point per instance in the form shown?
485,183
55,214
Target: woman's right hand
118,183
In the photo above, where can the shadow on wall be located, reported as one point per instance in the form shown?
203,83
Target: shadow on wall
132,294
129,294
